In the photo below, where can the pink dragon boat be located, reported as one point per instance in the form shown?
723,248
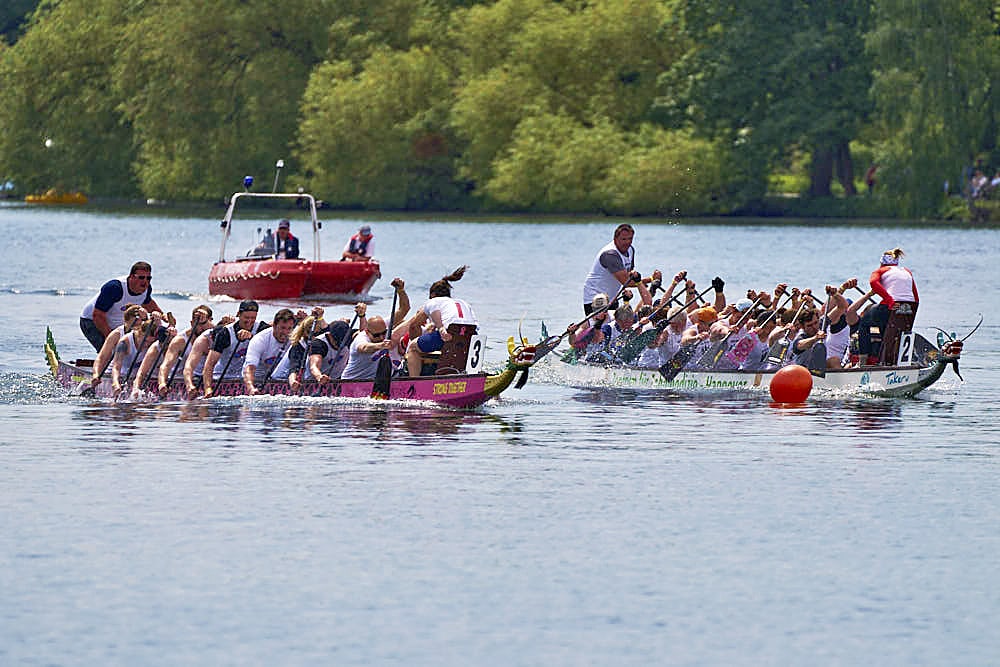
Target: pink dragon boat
450,388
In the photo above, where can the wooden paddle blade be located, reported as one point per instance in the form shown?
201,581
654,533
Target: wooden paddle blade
383,378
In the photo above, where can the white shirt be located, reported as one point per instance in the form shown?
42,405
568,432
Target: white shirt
452,311
263,352
362,365
601,279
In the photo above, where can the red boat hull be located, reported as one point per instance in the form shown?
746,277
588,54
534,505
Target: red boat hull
277,279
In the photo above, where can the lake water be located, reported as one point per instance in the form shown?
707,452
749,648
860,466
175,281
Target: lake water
557,526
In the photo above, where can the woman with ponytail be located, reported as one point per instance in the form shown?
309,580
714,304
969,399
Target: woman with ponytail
895,314
442,311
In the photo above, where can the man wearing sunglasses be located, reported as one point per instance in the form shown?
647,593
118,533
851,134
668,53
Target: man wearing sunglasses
106,310
367,348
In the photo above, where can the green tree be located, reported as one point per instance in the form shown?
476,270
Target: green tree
585,72
936,83
770,77
13,14
61,122
379,138
212,88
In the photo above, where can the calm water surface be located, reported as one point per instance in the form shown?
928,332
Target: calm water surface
558,526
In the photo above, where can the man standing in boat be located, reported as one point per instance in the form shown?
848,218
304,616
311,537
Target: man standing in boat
107,309
613,267
361,246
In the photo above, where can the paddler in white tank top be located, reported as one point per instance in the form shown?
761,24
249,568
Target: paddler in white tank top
613,267
106,310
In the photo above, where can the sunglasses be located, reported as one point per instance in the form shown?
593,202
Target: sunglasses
377,334
138,277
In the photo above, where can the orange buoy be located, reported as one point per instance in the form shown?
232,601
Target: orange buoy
791,384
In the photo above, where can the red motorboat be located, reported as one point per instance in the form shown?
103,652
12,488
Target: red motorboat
261,275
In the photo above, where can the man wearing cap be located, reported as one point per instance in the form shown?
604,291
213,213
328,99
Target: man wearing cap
286,245
229,346
361,247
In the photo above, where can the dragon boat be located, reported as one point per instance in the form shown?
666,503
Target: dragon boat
447,387
919,365
261,275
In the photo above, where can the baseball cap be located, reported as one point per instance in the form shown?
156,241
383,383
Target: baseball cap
338,330
365,230
249,304
284,224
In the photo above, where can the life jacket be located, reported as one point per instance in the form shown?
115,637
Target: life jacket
359,245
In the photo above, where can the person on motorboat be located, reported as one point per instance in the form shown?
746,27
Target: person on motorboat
266,350
442,311
360,247
229,346
280,245
106,309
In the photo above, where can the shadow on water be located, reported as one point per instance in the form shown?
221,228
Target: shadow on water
279,422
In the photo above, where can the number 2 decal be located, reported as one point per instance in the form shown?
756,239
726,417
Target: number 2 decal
904,349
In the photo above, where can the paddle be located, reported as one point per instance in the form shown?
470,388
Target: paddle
776,355
131,366
232,356
631,347
677,362
552,342
383,373
817,356
305,355
715,352
180,358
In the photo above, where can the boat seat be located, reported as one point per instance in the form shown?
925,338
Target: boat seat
455,352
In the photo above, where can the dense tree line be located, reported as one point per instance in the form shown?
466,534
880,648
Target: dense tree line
622,106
